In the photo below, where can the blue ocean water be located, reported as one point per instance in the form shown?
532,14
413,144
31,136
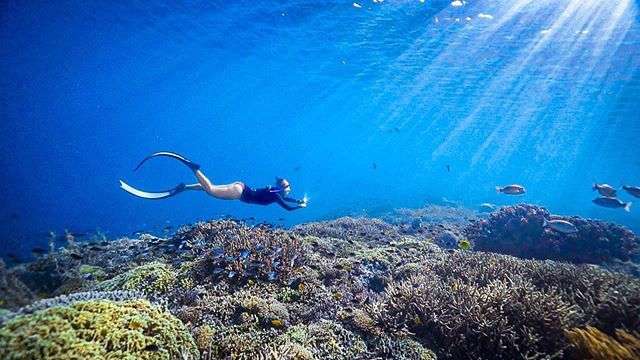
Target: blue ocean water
364,106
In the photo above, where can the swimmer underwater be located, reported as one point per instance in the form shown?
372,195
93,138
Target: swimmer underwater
234,191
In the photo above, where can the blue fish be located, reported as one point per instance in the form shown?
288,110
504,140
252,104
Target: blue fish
244,253
218,252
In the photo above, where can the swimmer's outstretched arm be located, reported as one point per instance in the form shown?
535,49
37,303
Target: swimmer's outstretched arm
292,200
281,202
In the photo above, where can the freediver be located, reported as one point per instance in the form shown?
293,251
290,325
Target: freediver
234,191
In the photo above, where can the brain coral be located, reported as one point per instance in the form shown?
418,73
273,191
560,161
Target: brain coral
102,329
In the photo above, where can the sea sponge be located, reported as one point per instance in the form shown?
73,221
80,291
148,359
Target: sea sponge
151,278
100,329
593,344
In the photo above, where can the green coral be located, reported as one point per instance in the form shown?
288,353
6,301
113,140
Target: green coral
151,278
95,272
325,340
97,329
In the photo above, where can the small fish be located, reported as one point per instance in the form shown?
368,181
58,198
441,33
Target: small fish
218,252
38,250
632,190
605,190
15,258
611,202
448,168
272,276
562,226
514,189
374,166
75,256
231,274
297,168
487,207
244,253
464,244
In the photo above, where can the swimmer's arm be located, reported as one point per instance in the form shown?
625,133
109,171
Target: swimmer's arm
292,200
281,202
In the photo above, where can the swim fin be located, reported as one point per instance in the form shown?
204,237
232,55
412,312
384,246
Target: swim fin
152,195
193,166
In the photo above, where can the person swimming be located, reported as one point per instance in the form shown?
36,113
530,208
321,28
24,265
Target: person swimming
234,191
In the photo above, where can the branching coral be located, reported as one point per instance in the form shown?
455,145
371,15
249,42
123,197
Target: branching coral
593,344
227,250
97,330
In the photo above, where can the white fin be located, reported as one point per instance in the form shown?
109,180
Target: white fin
545,223
627,207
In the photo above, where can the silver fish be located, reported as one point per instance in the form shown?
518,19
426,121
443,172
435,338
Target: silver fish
612,202
562,226
514,189
605,190
632,190
487,207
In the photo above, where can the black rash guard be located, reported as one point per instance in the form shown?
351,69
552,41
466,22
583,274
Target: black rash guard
266,196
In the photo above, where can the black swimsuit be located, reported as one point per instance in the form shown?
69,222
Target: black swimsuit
262,196
266,196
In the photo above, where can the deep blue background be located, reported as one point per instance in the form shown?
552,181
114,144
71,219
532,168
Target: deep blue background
543,93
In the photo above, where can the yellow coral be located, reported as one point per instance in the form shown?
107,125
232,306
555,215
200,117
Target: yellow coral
97,329
593,344
151,278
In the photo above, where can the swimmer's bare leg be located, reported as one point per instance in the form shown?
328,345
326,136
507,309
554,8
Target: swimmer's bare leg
231,191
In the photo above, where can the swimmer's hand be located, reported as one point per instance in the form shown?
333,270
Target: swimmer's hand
303,203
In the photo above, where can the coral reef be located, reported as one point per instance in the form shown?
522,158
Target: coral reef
348,228
593,344
408,286
518,230
97,330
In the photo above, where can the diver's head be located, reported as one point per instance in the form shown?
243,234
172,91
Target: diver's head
283,184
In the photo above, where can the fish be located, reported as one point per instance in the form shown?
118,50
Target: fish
464,244
487,207
513,189
218,252
272,276
612,202
448,168
38,250
632,190
15,258
75,256
605,190
562,226
374,166
244,253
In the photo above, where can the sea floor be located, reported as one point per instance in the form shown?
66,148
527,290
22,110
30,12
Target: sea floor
435,282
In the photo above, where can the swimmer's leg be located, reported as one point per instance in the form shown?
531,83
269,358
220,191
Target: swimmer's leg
231,191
